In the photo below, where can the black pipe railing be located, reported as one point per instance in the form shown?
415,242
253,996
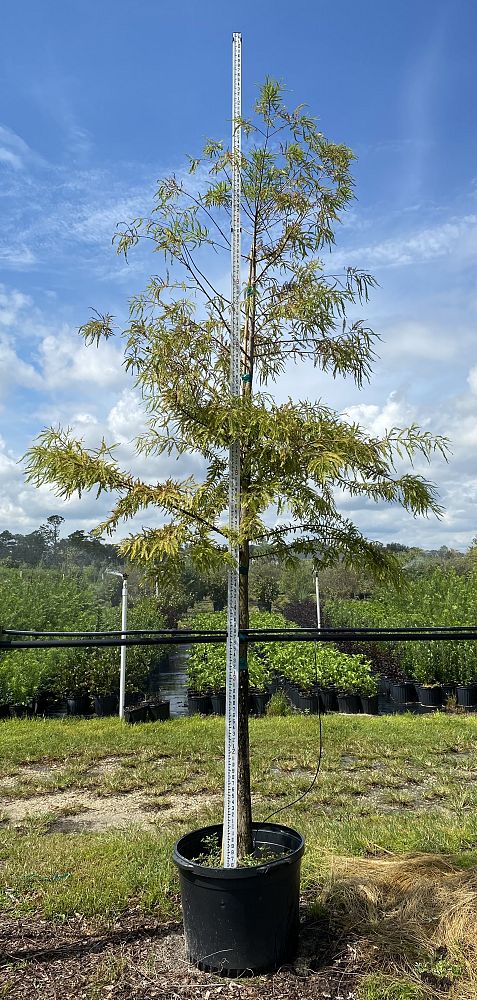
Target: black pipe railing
173,637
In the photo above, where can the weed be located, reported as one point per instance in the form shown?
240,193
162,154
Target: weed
279,705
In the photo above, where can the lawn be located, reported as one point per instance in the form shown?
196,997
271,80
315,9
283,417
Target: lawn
90,811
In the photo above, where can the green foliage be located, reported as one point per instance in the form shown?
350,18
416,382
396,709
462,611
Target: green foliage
440,598
278,705
206,668
49,600
304,663
321,664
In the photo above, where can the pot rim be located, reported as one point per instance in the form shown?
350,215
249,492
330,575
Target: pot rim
185,865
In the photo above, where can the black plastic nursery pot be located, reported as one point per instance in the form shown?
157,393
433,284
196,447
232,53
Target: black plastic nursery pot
258,701
159,711
448,691
467,695
199,704
52,707
136,713
329,699
369,704
21,711
240,921
403,693
218,703
349,704
430,695
309,703
79,704
106,704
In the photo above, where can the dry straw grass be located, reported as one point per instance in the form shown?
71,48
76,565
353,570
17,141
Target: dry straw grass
415,917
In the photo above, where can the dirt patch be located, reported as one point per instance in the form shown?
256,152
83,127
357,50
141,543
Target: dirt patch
76,812
139,958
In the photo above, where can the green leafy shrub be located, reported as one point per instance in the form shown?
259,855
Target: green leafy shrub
303,663
440,598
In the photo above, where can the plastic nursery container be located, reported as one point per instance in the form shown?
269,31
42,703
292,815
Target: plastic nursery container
309,703
467,695
218,703
329,699
199,704
403,693
369,704
349,704
240,921
106,704
431,696
159,711
258,701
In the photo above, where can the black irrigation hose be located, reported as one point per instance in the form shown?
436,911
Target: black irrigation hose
252,632
181,637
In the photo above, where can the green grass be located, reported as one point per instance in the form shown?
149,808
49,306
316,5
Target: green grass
398,784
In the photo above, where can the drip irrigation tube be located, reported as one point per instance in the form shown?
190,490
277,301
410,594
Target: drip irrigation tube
173,637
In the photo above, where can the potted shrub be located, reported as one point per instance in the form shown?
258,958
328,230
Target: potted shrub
259,675
159,708
23,677
368,691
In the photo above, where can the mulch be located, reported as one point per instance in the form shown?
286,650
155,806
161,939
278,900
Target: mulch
139,957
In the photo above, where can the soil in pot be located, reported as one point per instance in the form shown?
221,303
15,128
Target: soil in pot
199,704
467,695
241,921
369,704
430,695
218,703
349,704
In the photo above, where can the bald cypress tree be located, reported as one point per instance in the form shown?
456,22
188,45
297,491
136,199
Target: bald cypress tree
297,457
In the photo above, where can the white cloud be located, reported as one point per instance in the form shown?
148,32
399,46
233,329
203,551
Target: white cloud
15,371
396,412
410,339
12,304
65,360
457,236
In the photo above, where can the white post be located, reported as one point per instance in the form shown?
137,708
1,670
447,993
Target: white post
122,667
318,612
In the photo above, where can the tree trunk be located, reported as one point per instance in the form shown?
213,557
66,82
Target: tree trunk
244,804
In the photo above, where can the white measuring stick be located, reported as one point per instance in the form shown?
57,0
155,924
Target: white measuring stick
232,669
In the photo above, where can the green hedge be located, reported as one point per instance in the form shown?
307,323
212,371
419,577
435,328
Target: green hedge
46,600
303,663
442,598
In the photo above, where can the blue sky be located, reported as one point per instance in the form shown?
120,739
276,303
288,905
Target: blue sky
98,100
